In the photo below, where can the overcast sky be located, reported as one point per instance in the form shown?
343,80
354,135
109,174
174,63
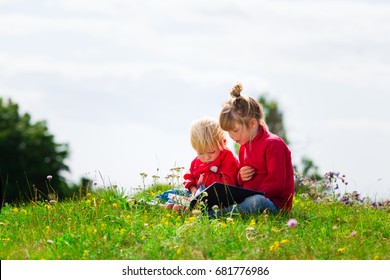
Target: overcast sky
121,81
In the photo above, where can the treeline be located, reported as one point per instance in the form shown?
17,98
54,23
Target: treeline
32,162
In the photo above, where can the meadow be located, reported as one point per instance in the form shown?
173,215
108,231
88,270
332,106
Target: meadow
107,224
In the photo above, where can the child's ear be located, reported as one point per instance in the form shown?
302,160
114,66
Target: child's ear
253,123
222,144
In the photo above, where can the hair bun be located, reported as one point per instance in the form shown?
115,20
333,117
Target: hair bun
236,90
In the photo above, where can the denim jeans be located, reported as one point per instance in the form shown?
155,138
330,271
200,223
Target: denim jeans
251,205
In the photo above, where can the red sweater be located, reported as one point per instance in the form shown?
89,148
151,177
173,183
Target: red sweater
271,158
223,169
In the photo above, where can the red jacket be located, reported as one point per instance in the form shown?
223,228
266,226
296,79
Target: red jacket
271,158
223,169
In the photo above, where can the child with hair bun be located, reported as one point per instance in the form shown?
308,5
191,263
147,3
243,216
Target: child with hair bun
265,160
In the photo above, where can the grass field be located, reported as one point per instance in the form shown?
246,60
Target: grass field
106,225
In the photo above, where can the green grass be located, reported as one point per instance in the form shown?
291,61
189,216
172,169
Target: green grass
105,225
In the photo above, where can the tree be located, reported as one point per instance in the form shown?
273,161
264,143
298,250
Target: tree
28,155
274,120
273,117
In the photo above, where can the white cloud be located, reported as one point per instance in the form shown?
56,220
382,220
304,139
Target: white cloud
104,71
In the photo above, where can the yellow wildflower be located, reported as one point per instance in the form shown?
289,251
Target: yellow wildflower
284,241
85,254
341,250
273,229
190,220
274,246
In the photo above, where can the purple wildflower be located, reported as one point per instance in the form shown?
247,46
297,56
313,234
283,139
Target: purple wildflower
292,223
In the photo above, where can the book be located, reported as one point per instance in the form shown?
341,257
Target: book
222,195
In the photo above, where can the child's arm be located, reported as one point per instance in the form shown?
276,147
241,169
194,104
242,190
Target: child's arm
275,182
190,179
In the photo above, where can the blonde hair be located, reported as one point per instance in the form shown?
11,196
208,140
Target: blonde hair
207,134
240,109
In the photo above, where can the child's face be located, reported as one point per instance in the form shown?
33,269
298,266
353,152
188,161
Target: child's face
243,134
209,155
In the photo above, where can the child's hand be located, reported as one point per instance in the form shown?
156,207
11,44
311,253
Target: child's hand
246,173
200,181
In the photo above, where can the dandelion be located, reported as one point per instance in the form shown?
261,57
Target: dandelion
189,220
85,254
49,177
274,246
252,223
292,223
114,205
341,250
143,237
284,241
273,229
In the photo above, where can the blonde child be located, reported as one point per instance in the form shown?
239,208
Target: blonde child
214,161
265,160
